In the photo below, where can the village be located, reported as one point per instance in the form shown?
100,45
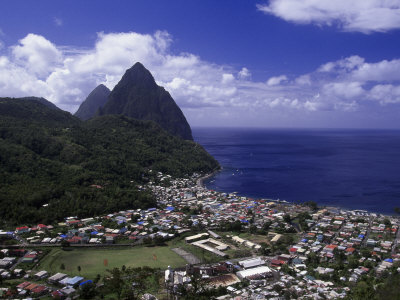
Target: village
252,248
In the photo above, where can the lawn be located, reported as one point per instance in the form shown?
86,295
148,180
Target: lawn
97,261
203,255
255,238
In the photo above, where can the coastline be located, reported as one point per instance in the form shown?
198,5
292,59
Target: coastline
200,183
200,180
258,164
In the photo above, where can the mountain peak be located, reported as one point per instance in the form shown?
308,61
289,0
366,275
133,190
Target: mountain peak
138,96
96,99
138,75
102,87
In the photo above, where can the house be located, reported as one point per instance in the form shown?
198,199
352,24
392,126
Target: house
22,229
276,263
253,273
330,248
39,290
75,240
41,274
41,227
251,263
17,252
110,239
194,238
57,295
23,285
56,278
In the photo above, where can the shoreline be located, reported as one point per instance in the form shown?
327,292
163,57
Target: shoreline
200,180
200,183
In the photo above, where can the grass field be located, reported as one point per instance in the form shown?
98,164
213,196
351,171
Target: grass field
97,261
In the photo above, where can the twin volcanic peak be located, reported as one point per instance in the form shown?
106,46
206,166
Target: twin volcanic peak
96,99
138,96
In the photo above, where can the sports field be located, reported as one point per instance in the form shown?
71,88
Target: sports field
97,261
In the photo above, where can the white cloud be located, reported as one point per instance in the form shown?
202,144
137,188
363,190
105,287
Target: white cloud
227,78
380,71
244,74
66,75
347,90
276,80
357,15
303,80
37,54
386,93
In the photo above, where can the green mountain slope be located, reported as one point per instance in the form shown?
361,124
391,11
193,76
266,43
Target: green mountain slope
81,168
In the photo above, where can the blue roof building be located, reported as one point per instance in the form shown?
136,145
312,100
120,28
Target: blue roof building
75,280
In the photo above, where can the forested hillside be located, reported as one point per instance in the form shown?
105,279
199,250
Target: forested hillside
48,156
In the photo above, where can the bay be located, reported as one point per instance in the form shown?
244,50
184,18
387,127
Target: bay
353,169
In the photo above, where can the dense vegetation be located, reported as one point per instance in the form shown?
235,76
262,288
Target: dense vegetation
81,168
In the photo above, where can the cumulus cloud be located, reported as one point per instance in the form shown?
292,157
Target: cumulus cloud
37,54
276,80
244,73
386,93
357,15
66,75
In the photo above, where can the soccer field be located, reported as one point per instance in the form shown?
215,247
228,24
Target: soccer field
97,261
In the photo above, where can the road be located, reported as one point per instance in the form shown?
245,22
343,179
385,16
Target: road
371,220
72,246
396,242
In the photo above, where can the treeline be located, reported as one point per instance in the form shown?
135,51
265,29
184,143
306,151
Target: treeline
53,165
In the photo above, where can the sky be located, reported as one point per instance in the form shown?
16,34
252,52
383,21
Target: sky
236,63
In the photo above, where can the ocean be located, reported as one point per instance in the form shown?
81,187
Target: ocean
352,169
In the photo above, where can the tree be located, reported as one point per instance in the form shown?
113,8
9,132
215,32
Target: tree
159,240
287,218
97,279
253,229
135,218
114,282
313,205
363,291
387,222
198,290
313,259
88,291
65,244
236,226
130,283
266,226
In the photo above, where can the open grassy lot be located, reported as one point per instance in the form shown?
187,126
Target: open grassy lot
255,238
203,255
97,261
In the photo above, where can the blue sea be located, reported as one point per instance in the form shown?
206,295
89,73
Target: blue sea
353,169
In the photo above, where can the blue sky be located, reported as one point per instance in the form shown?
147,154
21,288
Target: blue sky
278,63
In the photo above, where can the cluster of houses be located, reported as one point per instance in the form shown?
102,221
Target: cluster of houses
365,243
59,286
368,240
